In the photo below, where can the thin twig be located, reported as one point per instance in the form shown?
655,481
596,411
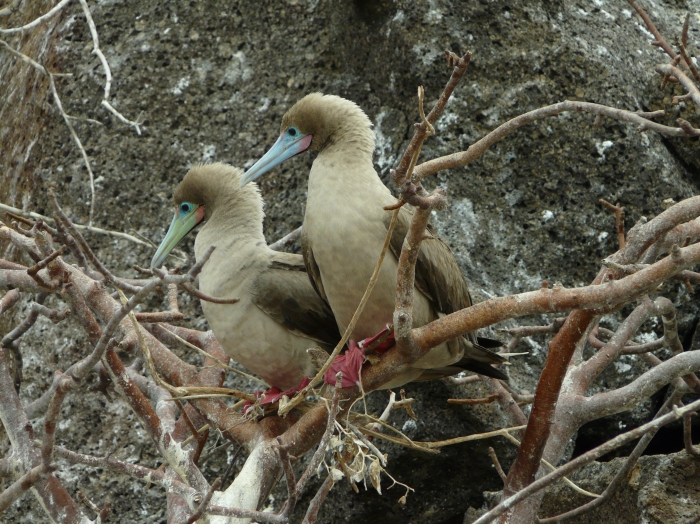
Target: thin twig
287,240
497,464
88,228
22,484
87,250
317,501
684,53
66,119
36,21
660,41
687,83
619,220
478,148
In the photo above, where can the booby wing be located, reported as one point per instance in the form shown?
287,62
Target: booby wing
437,274
312,267
440,279
284,293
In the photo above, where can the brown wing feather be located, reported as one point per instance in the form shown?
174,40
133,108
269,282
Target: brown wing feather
311,267
284,292
437,274
439,278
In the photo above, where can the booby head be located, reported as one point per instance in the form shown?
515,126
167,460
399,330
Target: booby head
206,189
314,123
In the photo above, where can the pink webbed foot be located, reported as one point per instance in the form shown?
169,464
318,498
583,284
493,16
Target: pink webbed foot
273,394
350,362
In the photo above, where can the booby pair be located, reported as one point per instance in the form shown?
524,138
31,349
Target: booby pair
344,229
279,315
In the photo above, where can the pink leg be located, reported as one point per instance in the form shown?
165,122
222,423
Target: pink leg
273,394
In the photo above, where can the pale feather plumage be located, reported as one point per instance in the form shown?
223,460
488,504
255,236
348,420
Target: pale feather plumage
279,315
344,229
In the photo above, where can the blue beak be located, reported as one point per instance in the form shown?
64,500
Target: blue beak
179,227
285,147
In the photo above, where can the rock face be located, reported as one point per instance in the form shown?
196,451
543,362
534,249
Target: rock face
660,489
211,81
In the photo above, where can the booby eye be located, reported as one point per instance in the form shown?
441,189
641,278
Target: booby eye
292,131
185,208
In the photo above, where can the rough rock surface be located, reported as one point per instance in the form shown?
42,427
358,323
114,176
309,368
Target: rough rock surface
660,489
211,81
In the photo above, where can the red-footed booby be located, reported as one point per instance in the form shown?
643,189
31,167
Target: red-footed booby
344,230
279,315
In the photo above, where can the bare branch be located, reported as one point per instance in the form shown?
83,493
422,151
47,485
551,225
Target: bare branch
497,464
66,119
687,83
478,148
472,401
660,41
632,394
317,501
584,459
89,228
22,484
205,501
459,66
85,248
598,296
619,220
589,370
287,240
51,419
157,476
621,474
9,300
684,53
36,21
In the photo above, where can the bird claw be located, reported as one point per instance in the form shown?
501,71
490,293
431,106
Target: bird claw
380,342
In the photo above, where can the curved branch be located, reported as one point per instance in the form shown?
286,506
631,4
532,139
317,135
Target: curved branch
551,300
478,148
637,391
669,70
589,370
36,21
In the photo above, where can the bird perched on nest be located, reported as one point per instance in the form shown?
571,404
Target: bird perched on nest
279,315
344,230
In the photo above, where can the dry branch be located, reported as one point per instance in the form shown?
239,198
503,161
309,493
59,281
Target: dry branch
478,148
